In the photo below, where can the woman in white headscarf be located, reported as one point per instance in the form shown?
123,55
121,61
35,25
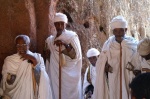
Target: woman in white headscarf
116,53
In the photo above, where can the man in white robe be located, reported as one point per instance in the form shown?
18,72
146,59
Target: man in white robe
71,59
90,74
141,59
24,75
112,80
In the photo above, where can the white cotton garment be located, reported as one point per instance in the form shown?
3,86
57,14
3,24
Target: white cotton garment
144,47
92,77
22,88
71,72
138,62
110,88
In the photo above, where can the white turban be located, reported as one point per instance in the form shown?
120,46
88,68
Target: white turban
118,22
92,52
144,47
60,17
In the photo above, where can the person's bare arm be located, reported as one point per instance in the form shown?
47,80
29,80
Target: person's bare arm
146,69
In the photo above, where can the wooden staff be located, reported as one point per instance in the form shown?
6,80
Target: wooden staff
59,72
120,71
34,83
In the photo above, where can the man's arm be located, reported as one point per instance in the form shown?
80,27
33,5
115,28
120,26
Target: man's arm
146,69
69,51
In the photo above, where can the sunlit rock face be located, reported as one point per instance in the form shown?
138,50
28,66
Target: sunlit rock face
89,18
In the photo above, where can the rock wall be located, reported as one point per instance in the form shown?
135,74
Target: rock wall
89,18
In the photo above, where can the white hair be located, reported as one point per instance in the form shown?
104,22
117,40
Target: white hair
25,37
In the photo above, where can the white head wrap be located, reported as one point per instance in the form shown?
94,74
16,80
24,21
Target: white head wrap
60,17
118,22
144,47
92,52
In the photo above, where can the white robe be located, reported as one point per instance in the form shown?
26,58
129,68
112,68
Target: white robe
110,89
92,77
22,88
71,72
138,62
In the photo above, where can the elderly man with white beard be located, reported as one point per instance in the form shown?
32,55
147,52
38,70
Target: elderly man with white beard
24,75
112,80
90,73
65,60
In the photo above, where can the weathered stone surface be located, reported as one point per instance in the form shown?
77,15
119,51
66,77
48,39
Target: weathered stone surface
91,19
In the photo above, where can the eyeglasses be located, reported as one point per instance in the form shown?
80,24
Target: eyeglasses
21,45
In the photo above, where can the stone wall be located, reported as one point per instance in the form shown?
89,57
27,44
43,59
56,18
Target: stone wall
89,18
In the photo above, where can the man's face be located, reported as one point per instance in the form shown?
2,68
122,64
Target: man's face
93,60
60,26
22,46
119,32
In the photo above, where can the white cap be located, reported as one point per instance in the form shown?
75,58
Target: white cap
60,17
118,22
144,47
92,52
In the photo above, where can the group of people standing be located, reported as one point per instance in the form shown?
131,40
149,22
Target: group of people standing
25,75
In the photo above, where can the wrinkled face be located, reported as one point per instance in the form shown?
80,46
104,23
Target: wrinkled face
22,46
60,26
93,60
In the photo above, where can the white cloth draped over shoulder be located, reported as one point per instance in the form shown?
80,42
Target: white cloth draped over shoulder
71,73
138,62
22,88
143,49
110,88
92,77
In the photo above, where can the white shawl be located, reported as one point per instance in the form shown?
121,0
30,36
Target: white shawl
111,52
138,62
22,88
92,77
71,73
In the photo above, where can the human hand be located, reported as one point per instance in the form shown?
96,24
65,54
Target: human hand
6,97
59,43
30,58
108,68
136,72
